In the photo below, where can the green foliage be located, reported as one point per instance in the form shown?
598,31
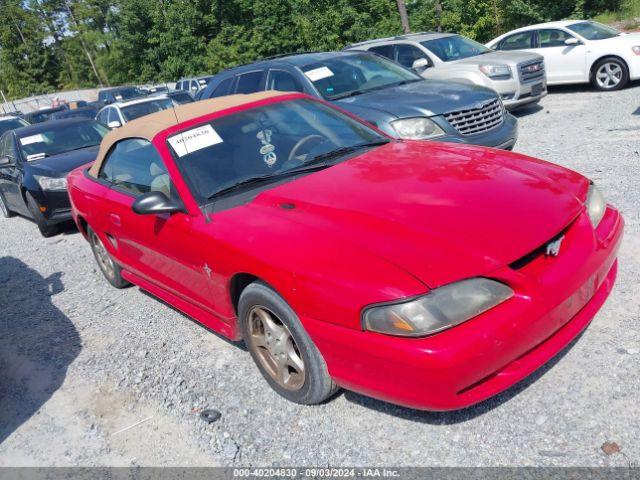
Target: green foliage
51,44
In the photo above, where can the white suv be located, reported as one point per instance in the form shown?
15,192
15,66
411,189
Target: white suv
518,77
577,51
117,114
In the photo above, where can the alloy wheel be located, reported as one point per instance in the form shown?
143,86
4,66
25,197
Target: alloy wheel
102,256
276,349
609,75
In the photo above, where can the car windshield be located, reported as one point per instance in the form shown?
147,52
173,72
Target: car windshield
127,93
61,138
265,144
11,124
593,30
181,97
78,113
346,75
454,47
145,108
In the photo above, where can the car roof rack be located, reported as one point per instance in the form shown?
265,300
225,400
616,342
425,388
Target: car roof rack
281,55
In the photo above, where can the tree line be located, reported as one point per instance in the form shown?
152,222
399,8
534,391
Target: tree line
49,45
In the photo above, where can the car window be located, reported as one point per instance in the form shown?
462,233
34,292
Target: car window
249,82
7,148
594,30
517,41
407,54
262,141
347,75
10,124
384,50
102,116
223,88
283,82
454,47
138,110
56,139
135,166
552,37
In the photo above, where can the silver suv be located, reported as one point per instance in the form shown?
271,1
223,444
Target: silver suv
519,77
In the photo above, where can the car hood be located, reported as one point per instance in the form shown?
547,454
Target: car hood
440,212
502,58
60,165
424,97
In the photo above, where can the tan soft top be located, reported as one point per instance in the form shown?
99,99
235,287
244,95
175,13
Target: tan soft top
149,126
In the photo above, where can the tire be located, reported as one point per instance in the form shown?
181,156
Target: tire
610,74
46,230
4,208
306,379
108,266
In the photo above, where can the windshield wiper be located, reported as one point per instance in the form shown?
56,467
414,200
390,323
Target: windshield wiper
346,150
316,163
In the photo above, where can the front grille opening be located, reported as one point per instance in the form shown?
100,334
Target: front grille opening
541,250
531,71
477,120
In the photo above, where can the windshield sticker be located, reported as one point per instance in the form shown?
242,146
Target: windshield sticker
194,140
319,73
32,139
267,150
118,97
35,156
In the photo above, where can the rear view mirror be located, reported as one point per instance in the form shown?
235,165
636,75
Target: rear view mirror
571,41
114,124
153,203
4,161
420,64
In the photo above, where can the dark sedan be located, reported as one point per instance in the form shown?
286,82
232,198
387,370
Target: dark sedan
382,92
88,113
34,163
43,115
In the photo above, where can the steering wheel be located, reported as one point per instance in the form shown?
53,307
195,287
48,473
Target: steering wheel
301,142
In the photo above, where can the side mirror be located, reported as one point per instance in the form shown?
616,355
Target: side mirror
114,124
153,203
572,41
4,161
420,64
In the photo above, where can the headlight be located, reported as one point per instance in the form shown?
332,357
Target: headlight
438,310
596,205
636,50
418,128
50,183
496,71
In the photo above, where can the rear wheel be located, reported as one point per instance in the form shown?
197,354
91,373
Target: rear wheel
109,268
610,74
4,208
46,230
282,350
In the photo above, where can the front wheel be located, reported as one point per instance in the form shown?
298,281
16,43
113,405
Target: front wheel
109,268
610,74
280,347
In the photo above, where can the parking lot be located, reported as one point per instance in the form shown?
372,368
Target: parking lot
81,362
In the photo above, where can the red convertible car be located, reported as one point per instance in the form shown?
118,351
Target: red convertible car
428,275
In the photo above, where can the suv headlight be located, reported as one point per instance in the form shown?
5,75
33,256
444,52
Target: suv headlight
418,128
438,310
596,205
496,71
51,183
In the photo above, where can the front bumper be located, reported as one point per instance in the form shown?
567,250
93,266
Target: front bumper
515,94
556,298
56,204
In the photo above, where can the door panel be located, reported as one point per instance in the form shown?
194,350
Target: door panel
563,63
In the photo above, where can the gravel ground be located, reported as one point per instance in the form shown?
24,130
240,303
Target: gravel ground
80,361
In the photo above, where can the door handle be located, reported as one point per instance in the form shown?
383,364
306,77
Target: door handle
115,219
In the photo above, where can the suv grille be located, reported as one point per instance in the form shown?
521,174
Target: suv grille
531,71
477,120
